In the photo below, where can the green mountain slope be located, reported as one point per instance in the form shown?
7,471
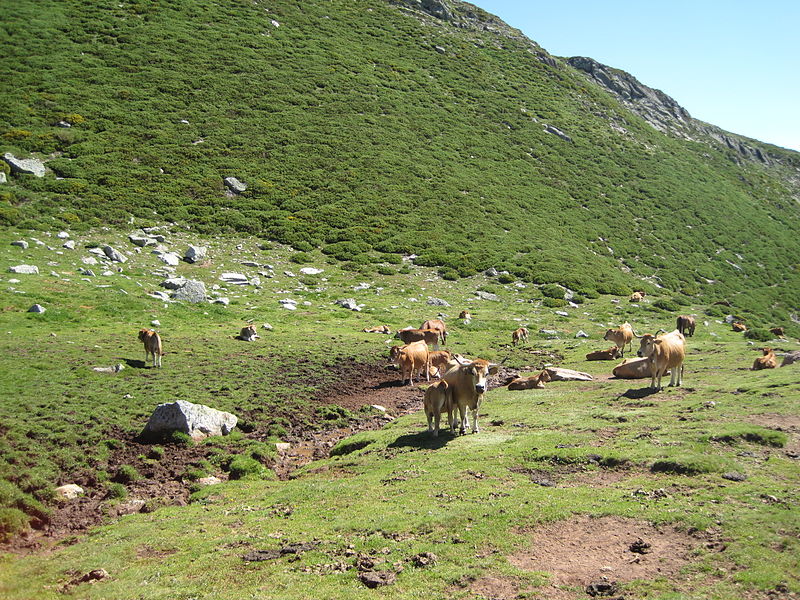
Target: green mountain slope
372,128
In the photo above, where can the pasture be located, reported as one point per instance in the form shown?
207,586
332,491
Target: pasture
690,492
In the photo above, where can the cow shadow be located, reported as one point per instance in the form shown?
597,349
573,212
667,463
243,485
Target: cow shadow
135,363
423,440
638,393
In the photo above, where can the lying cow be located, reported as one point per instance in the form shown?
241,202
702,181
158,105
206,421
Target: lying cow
666,353
152,345
248,334
464,314
633,368
413,357
467,384
621,336
738,327
636,297
610,354
686,325
378,329
429,336
520,335
768,361
534,382
437,325
438,399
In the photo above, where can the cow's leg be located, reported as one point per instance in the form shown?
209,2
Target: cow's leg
475,417
462,418
436,419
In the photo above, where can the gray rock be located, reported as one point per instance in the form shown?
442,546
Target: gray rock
37,308
349,303
159,295
581,334
311,271
437,302
195,254
193,291
3,178
173,283
20,243
234,278
86,272
487,296
62,235
234,185
155,323
114,255
551,333
24,269
70,491
69,245
558,374
31,166
491,272
89,260
562,313
557,132
197,420
170,258
141,241
223,300
790,358
115,369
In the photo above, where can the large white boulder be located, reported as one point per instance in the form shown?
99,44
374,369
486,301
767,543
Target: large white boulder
197,420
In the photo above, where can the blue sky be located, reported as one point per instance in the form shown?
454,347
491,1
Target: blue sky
734,63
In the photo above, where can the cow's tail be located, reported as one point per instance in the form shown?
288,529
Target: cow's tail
635,335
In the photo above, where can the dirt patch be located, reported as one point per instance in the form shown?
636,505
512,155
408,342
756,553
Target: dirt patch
495,588
789,424
586,550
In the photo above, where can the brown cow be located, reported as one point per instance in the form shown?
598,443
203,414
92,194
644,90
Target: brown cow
636,297
609,354
439,360
520,335
468,383
777,331
738,327
621,336
429,336
249,333
534,382
464,314
438,398
686,325
377,329
413,357
436,325
768,361
633,368
152,345
666,353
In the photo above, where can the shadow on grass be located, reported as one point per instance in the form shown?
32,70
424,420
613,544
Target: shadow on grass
638,394
423,440
135,364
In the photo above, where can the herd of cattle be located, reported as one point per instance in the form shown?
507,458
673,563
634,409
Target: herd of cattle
462,382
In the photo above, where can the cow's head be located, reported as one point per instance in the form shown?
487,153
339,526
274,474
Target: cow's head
394,353
144,334
647,345
480,370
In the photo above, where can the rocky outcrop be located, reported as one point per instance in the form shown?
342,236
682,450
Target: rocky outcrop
197,420
31,166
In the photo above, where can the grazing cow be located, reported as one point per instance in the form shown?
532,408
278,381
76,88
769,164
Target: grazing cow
468,383
777,331
438,360
248,334
436,325
464,314
738,327
520,335
429,336
636,297
609,354
621,336
152,345
768,361
666,353
438,398
414,357
377,329
534,382
686,325
633,368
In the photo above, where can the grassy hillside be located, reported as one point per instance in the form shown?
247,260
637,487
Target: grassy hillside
367,131
706,474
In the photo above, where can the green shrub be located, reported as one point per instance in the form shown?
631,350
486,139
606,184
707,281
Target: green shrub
127,474
506,278
384,270
155,453
715,311
116,491
179,438
553,291
667,305
758,334
554,302
12,522
244,466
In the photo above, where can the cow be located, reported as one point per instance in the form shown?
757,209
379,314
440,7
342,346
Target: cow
738,327
437,325
636,297
534,382
686,325
768,361
464,314
377,329
467,384
633,368
666,353
520,335
152,345
777,331
248,333
413,357
438,361
429,336
609,354
438,398
621,336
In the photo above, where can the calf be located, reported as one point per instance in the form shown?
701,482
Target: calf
609,354
152,345
464,314
414,357
768,361
438,398
686,325
534,382
738,327
633,368
621,336
636,297
248,334
666,353
377,329
520,335
468,383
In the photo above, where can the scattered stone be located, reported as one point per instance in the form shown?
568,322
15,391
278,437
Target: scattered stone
89,260
267,326
581,334
192,291
311,271
141,241
155,323
114,255
37,308
69,491
195,254
491,272
234,185
30,166
349,303
374,579
559,374
62,235
173,283
234,278
437,302
197,420
159,295
24,270
487,296
361,287
210,480
791,358
282,447
424,559
601,588
734,476
551,333
69,245
225,301
21,243
169,258
562,313
115,369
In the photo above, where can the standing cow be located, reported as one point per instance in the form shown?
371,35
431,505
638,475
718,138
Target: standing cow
665,353
686,325
152,345
520,335
621,336
438,326
467,384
